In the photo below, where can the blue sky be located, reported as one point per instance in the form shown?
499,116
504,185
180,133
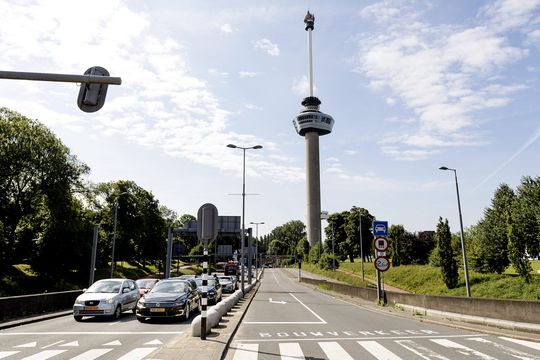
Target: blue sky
412,86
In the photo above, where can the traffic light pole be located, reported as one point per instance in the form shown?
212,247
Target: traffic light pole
85,79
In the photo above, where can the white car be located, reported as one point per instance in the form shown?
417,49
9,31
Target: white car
227,283
107,297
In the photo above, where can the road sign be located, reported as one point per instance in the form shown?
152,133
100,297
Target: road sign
382,263
207,222
380,244
380,228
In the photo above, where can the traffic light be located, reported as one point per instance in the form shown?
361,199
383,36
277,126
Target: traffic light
91,95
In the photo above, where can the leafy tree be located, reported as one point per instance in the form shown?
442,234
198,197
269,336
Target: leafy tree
491,252
517,253
448,263
284,239
303,248
38,180
335,232
395,234
314,254
527,213
352,223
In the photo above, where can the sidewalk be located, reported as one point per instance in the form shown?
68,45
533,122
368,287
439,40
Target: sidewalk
526,331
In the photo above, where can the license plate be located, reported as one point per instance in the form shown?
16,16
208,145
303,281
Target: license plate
157,309
90,308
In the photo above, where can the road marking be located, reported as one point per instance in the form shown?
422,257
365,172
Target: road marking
363,338
113,343
378,351
462,348
276,302
73,343
510,351
30,344
530,344
246,352
94,333
137,354
154,342
420,350
334,351
321,322
91,354
5,354
114,323
55,343
44,355
291,351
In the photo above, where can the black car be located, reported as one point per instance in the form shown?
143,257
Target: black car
215,292
171,298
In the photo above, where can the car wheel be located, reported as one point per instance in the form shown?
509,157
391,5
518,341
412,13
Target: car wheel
141,319
134,310
186,312
117,313
77,318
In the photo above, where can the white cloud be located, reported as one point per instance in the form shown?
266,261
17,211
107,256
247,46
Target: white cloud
252,107
160,104
267,46
444,75
226,28
351,152
216,72
247,74
300,86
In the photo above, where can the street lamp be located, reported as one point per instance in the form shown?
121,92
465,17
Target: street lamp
466,269
257,246
114,230
232,146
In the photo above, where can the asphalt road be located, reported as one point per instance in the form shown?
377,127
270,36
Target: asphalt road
287,320
93,338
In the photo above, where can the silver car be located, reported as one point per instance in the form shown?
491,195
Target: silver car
107,297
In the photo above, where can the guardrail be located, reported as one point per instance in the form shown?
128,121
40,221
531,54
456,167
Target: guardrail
14,307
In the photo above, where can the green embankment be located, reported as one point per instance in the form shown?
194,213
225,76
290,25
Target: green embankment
426,279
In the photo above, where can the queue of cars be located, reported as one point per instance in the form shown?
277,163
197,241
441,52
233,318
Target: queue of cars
175,298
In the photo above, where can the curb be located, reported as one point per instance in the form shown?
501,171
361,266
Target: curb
34,319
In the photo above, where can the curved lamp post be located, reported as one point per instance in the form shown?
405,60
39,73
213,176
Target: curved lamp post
232,146
465,267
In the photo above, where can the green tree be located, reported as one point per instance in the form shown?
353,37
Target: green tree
335,232
352,224
38,212
395,235
448,263
285,238
527,213
517,253
491,254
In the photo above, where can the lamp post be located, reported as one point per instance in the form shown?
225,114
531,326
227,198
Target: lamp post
232,146
257,246
465,267
114,230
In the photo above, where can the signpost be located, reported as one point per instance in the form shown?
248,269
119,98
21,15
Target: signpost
207,230
380,243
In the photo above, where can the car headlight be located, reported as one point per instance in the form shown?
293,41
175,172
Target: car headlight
179,302
79,302
110,300
142,300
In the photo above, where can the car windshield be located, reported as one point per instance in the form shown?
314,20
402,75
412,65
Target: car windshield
109,286
146,284
169,287
211,282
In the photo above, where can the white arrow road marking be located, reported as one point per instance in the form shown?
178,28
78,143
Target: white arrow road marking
73,343
154,342
137,354
462,349
91,354
113,343
276,302
30,344
5,354
532,345
43,355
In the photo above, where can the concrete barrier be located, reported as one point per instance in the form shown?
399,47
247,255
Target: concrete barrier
512,310
13,307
